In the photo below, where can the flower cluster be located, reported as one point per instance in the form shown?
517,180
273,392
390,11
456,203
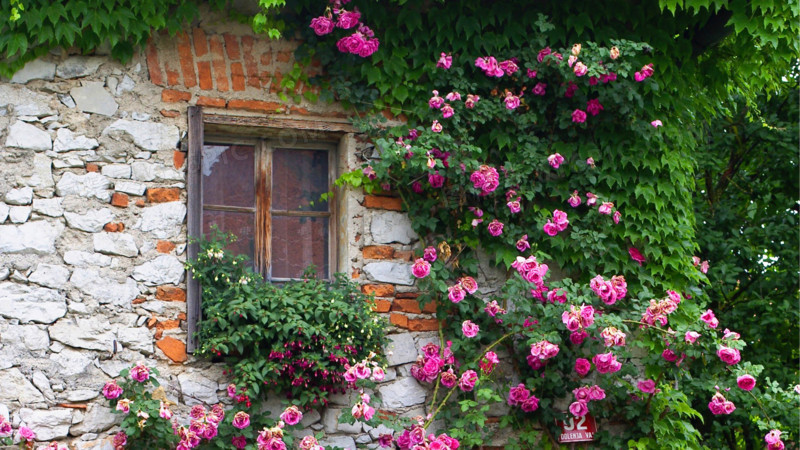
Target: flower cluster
613,337
492,68
457,292
606,363
488,362
203,425
609,291
558,223
658,311
531,270
362,42
773,440
520,396
583,395
720,405
540,352
431,363
415,438
366,369
362,408
486,179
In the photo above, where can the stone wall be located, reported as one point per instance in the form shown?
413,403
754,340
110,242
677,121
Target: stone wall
93,231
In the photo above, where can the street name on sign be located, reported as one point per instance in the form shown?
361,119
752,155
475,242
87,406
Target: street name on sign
577,429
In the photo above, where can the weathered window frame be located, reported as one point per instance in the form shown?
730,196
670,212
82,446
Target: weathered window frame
260,130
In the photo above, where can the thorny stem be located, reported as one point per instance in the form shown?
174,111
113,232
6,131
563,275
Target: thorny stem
450,392
436,389
671,333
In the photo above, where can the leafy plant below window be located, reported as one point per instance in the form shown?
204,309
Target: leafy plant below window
297,339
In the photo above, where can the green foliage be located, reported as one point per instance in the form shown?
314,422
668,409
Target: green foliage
292,339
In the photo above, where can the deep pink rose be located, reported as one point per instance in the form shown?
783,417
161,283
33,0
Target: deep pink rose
429,254
746,382
518,394
636,255
140,372
322,25
582,366
468,380
111,390
241,420
348,19
578,116
421,268
578,409
729,356
647,386
445,61
495,227
469,329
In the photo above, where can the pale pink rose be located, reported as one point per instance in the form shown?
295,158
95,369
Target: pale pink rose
453,96
292,415
436,127
691,337
656,123
241,420
164,412
580,69
124,405
445,61
605,208
378,374
704,267
469,284
421,268
574,199
469,329
555,160
578,409
614,52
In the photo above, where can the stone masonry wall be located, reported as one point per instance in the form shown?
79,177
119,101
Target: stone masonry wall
93,232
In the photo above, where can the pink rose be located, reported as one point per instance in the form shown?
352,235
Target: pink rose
469,329
691,336
322,25
140,372
436,127
435,102
469,284
591,199
518,394
445,61
578,337
656,123
614,52
447,111
580,69
514,206
581,394
540,89
468,380
523,244
542,53
594,107
617,215
495,228
509,66
578,116
348,19
729,356
26,433
606,363
574,199
471,100
421,268
530,404
596,393
636,255
605,208
709,318
578,409
550,228
292,415
120,439
746,382
429,254
241,420
555,160
511,101
111,390
647,386
582,366
435,180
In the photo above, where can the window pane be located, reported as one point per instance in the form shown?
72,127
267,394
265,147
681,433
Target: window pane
298,178
298,242
240,224
228,175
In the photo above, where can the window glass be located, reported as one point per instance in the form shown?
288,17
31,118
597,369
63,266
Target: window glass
299,177
228,175
239,223
298,242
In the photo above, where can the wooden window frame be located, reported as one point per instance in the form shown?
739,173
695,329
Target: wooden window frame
267,133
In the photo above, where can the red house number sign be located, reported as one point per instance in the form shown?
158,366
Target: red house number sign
577,429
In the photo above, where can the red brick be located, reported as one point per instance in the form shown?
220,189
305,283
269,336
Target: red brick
178,158
204,73
173,348
170,294
163,195
211,102
200,43
168,324
283,56
406,305
299,110
151,322
187,60
173,96
171,113
249,62
423,324
218,63
165,246
114,227
382,306
380,202
139,202
256,106
237,76
138,301
407,295
398,320
266,58
152,64
356,274
158,334
172,74
405,255
92,167
119,199
379,290
275,84
232,46
378,252
182,316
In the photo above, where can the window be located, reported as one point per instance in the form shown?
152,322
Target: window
261,178
268,195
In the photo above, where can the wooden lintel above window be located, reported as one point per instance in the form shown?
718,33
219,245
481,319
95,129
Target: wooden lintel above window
274,126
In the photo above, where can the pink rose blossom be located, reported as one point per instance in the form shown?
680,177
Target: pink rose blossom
614,52
656,123
578,337
606,363
594,107
732,335
140,372
112,390
164,412
555,160
709,318
613,337
421,268
518,394
704,267
540,89
720,405
490,66
469,329
456,293
578,409
645,73
596,393
773,440
447,111
580,69
591,199
729,356
292,415
120,440
542,53
495,227
617,215
429,254
523,244
348,19
550,228
435,180
124,405
487,179
436,127
493,308
578,116
582,366
453,96
530,404
636,255
691,337
416,187
605,208
574,200
469,284
560,219
511,101
746,382
488,362
669,355
435,102
509,66
557,296
467,381
241,420
647,386
514,206
471,100
581,394
445,61
322,25
531,73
